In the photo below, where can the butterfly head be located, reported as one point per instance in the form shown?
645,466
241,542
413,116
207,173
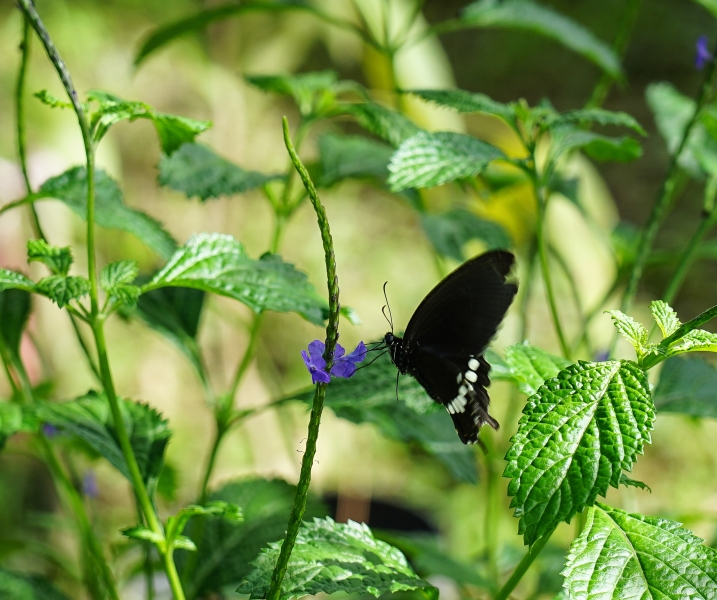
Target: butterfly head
395,348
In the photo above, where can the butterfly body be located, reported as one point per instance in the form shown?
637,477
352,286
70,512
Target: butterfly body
447,335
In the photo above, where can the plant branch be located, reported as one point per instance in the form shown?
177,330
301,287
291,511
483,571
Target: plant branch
522,567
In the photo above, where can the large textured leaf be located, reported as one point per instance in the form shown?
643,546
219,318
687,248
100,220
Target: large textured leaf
687,386
225,548
387,124
196,170
577,434
14,312
529,16
369,396
90,419
110,211
452,230
622,555
336,557
467,102
25,586
351,156
430,159
525,365
219,264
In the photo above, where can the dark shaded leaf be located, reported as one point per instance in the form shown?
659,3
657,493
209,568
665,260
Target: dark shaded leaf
687,386
595,145
450,231
351,156
15,306
596,116
467,102
24,586
387,124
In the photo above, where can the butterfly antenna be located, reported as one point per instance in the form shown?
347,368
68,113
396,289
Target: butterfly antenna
372,361
387,305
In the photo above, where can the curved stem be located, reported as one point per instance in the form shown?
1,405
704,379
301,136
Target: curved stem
522,567
332,334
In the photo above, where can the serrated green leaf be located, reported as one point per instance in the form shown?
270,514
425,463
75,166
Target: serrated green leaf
118,273
110,211
369,396
218,263
467,102
51,100
11,280
351,156
58,260
89,418
686,386
577,434
15,308
595,145
528,367
632,331
450,231
597,116
525,15
63,290
626,481
387,124
697,340
335,557
26,586
225,548
623,555
174,131
196,170
314,93
430,159
665,317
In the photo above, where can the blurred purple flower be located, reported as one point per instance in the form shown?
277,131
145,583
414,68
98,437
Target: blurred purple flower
344,366
49,431
703,54
89,485
602,356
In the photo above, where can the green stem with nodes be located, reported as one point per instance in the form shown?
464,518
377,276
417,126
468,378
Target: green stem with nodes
332,334
522,567
659,209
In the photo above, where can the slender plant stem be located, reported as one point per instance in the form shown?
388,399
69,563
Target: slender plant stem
659,209
490,526
619,45
332,334
20,116
85,348
522,567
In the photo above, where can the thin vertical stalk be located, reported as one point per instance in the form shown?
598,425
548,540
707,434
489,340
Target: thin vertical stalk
332,334
522,567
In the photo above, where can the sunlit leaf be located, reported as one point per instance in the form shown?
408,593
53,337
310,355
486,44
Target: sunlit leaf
632,331
525,365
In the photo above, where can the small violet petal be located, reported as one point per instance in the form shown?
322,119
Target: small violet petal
316,348
89,485
320,376
359,354
49,431
702,54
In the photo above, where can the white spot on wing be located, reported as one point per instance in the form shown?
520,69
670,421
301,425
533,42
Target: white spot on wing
471,376
473,364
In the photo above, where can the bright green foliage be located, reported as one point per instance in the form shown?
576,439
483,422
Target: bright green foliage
63,290
450,231
369,396
430,159
526,366
89,418
225,547
24,586
219,264
10,280
622,555
314,93
697,340
15,308
116,279
467,102
665,317
687,386
596,116
13,420
351,156
196,170
626,481
58,260
632,331
110,211
530,16
336,557
577,434
387,124
595,145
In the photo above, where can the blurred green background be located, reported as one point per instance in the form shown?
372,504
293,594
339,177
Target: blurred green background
377,236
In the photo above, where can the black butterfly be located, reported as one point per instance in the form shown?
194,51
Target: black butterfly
447,335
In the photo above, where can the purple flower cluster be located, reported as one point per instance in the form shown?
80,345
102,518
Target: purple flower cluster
344,364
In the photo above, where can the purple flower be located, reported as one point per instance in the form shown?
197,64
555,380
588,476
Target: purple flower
49,431
89,485
703,54
344,366
602,356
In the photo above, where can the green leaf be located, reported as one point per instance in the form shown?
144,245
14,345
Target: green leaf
387,124
528,367
116,279
697,340
336,557
369,396
12,421
218,263
15,309
24,586
196,170
452,230
430,159
596,116
58,260
665,317
626,481
225,548
467,102
11,280
351,156
164,34
577,434
175,313
599,147
140,532
623,555
110,211
525,15
215,508
51,100
710,5
89,418
63,290
632,331
314,93
686,386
